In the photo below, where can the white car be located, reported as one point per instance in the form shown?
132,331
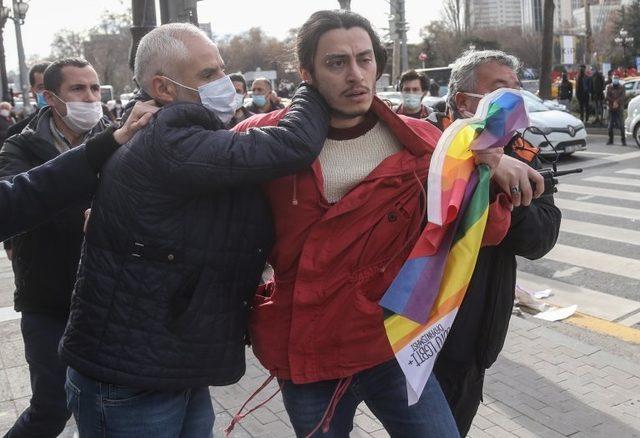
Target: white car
565,132
632,122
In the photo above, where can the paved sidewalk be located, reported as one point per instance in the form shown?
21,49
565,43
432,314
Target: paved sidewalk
545,384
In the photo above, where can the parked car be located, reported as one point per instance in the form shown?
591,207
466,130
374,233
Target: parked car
632,86
395,97
632,122
562,130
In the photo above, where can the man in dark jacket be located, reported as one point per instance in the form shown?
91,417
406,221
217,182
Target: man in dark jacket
36,81
583,89
32,197
480,328
597,94
175,246
45,259
615,102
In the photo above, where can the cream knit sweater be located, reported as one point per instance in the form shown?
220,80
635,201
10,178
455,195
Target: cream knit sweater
345,163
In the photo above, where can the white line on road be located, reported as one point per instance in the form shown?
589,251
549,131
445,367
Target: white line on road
591,302
608,154
629,171
623,157
8,314
600,231
597,191
597,261
605,210
613,180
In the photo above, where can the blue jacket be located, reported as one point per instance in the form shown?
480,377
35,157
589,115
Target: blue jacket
176,244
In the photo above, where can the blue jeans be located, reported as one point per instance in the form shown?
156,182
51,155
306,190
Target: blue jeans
47,413
104,410
383,389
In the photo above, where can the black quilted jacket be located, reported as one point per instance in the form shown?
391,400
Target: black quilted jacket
177,240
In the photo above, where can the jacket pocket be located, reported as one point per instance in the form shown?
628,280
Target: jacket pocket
187,322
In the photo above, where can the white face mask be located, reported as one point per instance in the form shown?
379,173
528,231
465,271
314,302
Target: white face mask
5,113
81,116
412,101
218,96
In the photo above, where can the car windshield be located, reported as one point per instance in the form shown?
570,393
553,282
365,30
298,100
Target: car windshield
533,103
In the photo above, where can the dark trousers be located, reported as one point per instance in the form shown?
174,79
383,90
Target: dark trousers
597,103
47,413
461,384
615,120
584,107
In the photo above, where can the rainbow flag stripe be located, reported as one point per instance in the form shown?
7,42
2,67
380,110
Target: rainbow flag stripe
424,298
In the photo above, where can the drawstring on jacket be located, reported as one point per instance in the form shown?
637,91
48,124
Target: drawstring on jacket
294,198
423,195
238,417
325,422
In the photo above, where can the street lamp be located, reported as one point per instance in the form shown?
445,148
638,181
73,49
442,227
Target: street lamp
20,9
624,40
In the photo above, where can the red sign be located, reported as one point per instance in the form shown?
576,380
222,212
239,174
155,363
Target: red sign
423,56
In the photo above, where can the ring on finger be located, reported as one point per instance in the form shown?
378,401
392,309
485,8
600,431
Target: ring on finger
515,190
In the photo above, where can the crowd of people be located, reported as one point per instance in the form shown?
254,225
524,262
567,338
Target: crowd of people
139,245
593,91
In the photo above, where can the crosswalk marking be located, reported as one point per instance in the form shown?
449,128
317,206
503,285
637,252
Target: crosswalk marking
613,180
598,191
600,231
604,210
597,261
629,172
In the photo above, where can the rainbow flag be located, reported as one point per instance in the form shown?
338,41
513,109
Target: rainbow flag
424,298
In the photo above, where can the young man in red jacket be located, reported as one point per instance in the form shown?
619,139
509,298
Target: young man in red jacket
344,227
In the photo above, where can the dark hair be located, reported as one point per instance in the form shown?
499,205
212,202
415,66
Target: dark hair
38,68
321,22
53,74
237,77
412,75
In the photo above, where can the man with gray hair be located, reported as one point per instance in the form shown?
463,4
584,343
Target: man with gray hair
480,328
175,247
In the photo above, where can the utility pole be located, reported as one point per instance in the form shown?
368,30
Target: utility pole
394,32
4,83
24,75
547,49
403,35
345,4
179,11
588,50
144,21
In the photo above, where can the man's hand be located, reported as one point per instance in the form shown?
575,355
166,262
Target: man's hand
491,157
514,178
139,117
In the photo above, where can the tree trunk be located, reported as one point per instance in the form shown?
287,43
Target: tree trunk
345,4
546,61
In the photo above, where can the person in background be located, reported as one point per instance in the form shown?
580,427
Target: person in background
118,110
263,97
414,87
434,88
565,91
615,102
6,120
240,84
45,259
597,94
36,81
583,89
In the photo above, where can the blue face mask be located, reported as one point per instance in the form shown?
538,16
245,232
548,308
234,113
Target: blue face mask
259,100
40,100
412,101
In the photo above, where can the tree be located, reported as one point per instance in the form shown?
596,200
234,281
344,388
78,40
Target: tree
546,58
452,14
345,4
67,44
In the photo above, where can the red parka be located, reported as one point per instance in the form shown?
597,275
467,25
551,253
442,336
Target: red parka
320,318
